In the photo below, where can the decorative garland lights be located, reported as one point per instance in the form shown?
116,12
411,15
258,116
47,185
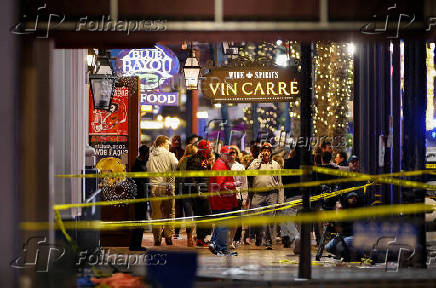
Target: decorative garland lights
333,88
431,74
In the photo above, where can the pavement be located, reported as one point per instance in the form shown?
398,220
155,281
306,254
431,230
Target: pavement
280,265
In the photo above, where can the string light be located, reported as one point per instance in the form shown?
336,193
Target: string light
431,74
333,66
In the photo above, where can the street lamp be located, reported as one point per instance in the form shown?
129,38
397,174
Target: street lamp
102,89
191,71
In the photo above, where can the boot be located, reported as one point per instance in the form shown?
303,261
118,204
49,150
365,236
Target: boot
286,240
189,239
297,247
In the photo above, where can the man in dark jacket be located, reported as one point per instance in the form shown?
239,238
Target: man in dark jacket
176,148
330,203
289,230
341,159
140,208
201,207
342,245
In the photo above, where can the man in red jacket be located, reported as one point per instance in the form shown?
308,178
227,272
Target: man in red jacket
222,203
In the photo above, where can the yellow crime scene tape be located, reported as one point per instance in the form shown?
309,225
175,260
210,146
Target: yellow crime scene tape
283,206
430,166
353,176
189,173
206,194
383,178
244,217
207,219
234,221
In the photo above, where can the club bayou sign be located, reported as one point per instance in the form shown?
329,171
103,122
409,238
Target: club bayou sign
251,84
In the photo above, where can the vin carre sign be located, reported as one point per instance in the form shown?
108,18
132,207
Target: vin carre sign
251,84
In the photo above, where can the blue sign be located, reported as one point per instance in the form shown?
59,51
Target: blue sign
158,98
154,66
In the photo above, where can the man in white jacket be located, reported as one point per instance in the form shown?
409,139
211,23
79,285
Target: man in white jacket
269,197
161,160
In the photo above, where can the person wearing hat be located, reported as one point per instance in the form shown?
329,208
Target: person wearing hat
199,161
354,163
342,245
269,197
224,203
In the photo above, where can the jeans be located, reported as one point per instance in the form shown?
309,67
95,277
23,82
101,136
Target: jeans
290,228
220,233
336,247
260,200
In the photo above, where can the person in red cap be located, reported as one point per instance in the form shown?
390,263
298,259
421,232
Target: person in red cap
222,203
199,161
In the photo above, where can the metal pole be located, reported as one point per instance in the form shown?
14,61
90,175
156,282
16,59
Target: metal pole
255,122
188,113
226,123
287,117
305,262
414,111
356,99
396,116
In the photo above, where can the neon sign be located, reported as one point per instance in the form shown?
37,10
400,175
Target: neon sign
154,66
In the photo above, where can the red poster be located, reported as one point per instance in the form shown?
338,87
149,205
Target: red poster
113,122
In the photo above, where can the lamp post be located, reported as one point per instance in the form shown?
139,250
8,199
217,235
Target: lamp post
102,90
191,71
101,79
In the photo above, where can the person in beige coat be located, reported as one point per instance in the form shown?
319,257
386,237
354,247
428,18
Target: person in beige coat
161,160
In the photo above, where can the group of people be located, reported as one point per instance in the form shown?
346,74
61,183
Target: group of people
229,192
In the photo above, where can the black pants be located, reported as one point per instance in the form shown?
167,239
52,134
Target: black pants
179,213
186,206
140,214
201,208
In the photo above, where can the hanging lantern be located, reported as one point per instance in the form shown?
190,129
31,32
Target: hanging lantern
102,90
191,71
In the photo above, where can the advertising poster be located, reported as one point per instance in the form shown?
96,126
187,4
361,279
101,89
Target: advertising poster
109,130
